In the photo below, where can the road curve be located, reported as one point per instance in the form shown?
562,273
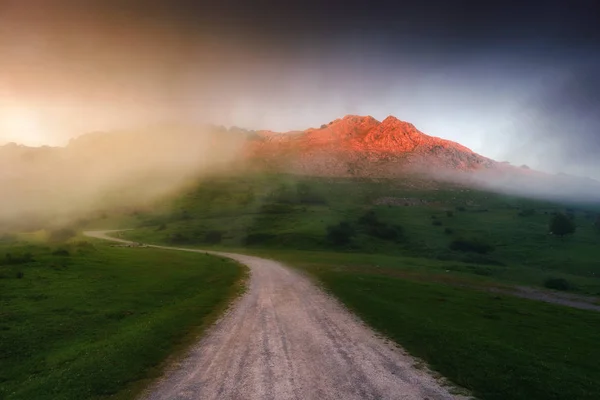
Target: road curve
287,339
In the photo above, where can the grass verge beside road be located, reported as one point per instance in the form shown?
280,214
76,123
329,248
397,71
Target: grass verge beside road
90,321
499,347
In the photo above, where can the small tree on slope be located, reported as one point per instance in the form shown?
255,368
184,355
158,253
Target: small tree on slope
561,225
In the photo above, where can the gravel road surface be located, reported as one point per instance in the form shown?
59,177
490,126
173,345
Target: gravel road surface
285,338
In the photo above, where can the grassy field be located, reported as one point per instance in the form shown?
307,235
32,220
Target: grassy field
497,346
90,321
412,219
399,272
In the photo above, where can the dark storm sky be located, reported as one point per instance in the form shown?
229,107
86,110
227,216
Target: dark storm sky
515,81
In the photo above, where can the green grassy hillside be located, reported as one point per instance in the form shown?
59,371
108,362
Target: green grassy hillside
507,238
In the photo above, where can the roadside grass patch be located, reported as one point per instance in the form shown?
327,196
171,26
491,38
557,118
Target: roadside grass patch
498,347
100,322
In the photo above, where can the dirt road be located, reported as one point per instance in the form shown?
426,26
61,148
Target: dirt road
286,339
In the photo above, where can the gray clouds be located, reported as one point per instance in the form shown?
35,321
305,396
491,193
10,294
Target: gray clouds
513,80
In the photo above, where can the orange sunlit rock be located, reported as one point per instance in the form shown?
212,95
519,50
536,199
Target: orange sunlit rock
346,145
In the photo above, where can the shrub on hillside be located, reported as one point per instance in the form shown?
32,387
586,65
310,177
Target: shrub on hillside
474,245
372,226
385,232
557,284
561,225
436,222
450,213
340,234
448,231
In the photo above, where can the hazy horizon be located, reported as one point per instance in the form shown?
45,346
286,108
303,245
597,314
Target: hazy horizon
512,82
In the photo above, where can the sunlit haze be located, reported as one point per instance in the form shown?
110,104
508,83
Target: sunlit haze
524,89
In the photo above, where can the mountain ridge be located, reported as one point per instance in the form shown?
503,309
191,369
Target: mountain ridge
351,146
353,138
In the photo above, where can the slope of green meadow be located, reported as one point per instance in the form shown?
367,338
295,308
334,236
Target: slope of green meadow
286,212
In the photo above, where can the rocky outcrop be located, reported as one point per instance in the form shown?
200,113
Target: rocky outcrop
357,145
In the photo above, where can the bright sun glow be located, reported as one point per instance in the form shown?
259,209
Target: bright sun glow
20,125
